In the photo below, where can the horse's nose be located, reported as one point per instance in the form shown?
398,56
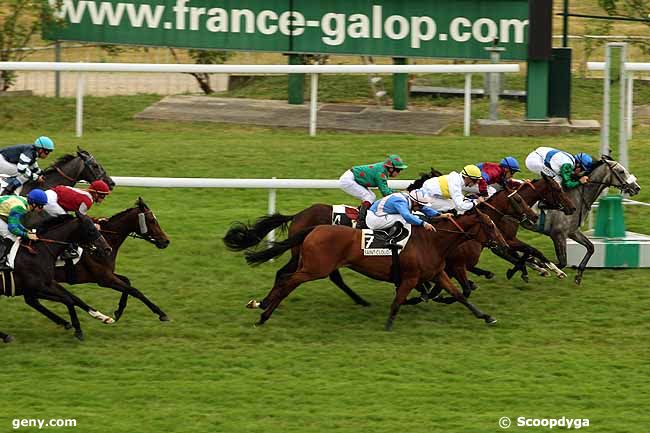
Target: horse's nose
163,243
111,183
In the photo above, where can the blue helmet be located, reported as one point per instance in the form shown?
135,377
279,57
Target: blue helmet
37,197
510,163
44,142
585,160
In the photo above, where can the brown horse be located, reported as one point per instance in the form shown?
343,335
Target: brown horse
139,222
242,236
326,248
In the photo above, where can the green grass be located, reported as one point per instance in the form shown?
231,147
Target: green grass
321,363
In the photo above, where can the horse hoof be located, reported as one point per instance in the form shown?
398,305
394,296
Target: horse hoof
252,304
578,280
489,275
79,335
490,320
117,314
164,318
388,326
524,277
561,276
67,325
510,273
8,339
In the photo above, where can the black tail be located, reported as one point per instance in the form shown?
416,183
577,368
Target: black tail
240,236
254,258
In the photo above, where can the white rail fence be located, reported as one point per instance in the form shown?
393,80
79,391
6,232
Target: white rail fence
313,70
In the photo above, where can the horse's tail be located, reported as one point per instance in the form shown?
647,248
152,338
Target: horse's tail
241,236
277,248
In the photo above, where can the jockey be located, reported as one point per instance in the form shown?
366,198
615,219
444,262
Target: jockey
566,169
446,192
62,199
395,211
20,162
496,177
12,209
358,180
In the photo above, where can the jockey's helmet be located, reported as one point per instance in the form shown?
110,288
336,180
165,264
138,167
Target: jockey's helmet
37,197
511,163
472,171
585,160
419,196
99,187
45,143
395,161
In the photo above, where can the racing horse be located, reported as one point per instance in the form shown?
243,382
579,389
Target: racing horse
241,236
325,248
138,222
605,173
33,274
68,170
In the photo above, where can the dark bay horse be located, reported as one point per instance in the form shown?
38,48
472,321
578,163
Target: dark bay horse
138,222
242,236
325,248
33,274
68,170
605,173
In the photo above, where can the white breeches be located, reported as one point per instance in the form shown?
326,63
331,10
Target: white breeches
535,163
5,233
383,222
10,170
441,204
349,185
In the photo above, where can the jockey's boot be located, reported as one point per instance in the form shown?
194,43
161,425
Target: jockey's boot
393,232
5,247
70,253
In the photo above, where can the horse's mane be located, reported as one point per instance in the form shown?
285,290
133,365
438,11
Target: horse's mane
423,177
51,223
139,204
601,161
60,161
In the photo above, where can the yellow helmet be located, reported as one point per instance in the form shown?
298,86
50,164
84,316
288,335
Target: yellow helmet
472,171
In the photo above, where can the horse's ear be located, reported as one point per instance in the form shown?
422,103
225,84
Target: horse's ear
140,203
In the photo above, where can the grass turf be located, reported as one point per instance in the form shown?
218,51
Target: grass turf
321,363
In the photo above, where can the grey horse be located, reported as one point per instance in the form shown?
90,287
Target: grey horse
605,173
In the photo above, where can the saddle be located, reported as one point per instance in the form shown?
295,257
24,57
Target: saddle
376,242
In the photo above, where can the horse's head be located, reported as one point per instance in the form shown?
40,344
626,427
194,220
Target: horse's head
613,173
487,234
423,177
90,238
519,208
92,170
553,196
148,227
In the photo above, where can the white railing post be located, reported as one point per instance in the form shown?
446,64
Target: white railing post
81,82
630,112
313,104
271,210
468,105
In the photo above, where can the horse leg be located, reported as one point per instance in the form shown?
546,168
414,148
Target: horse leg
6,338
122,284
580,238
33,302
76,301
337,279
559,242
281,291
481,272
403,290
447,284
282,273
530,251
53,293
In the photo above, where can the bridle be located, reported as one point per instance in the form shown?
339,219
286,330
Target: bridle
622,183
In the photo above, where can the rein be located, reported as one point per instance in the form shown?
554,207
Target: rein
58,170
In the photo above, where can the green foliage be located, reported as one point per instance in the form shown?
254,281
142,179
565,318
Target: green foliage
20,21
321,363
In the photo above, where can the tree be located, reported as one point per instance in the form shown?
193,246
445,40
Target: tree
20,21
638,10
205,57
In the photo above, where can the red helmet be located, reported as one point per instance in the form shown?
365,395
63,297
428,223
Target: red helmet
100,187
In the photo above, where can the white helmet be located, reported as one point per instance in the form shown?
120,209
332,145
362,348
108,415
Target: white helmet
419,196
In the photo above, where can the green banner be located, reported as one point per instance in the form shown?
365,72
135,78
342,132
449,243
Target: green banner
396,28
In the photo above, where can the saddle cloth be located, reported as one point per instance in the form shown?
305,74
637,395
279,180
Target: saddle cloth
373,242
343,215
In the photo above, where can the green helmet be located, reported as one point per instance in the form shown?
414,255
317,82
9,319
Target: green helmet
395,161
